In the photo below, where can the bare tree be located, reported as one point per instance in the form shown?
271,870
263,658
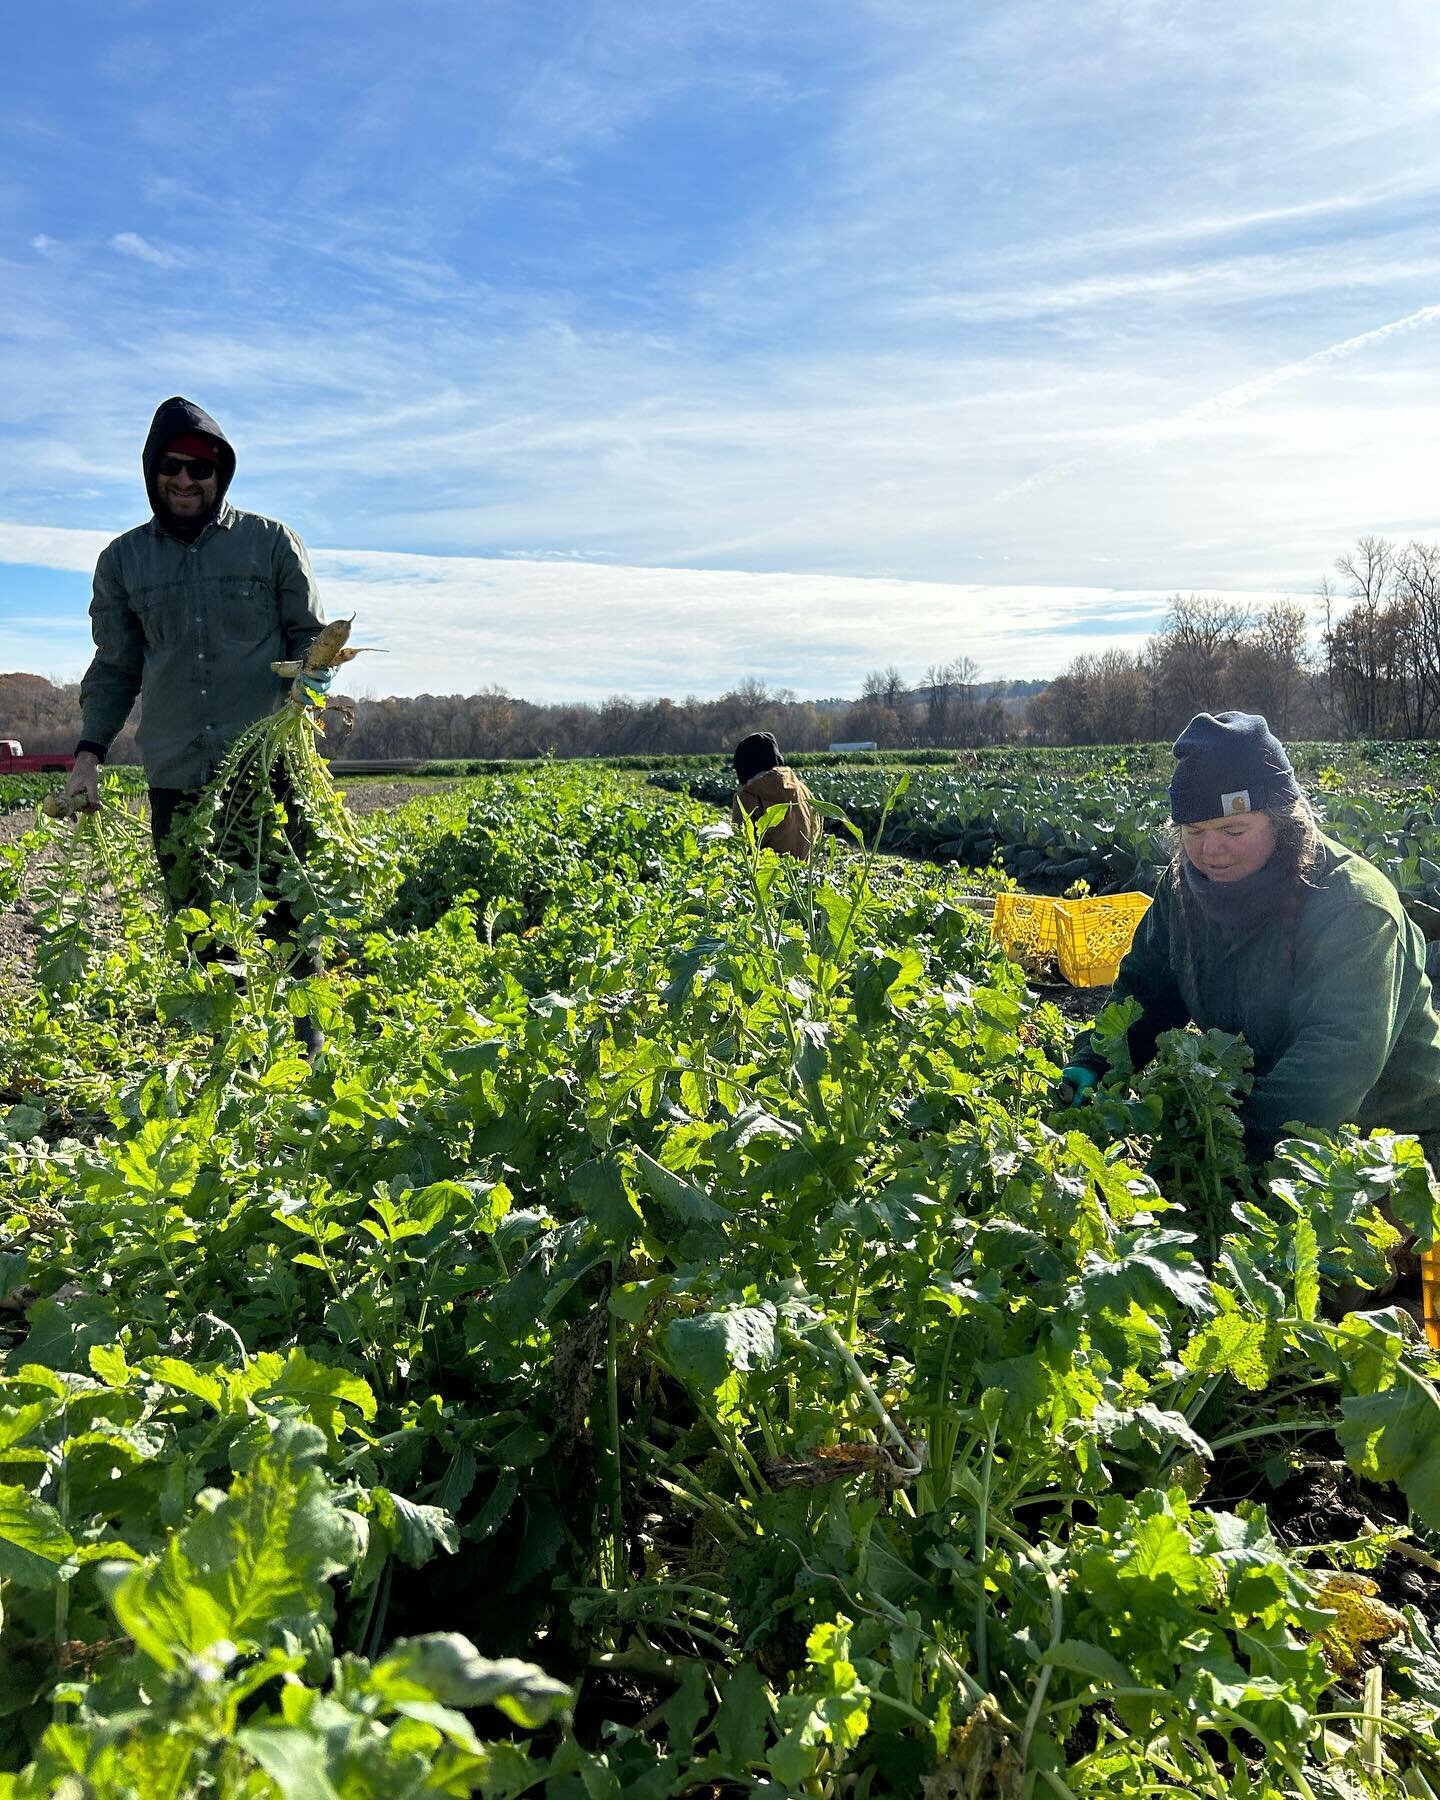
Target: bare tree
953,707
882,712
1363,650
1192,654
886,685
1415,585
1270,665
936,688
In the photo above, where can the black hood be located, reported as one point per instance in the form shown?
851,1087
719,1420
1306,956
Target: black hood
756,754
174,418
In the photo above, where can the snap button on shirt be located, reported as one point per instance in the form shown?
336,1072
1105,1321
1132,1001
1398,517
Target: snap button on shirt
244,586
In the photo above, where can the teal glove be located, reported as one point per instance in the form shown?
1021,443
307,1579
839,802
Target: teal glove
310,687
1076,1081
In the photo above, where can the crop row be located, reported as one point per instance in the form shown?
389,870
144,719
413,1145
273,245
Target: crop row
676,1275
1106,828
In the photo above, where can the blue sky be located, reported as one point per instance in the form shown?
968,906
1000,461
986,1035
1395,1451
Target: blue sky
607,345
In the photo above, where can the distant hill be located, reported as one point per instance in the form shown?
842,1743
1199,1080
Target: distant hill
43,715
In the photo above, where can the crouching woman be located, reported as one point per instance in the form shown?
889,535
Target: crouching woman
766,781
1264,927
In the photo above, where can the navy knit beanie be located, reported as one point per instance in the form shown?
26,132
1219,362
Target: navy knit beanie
1229,762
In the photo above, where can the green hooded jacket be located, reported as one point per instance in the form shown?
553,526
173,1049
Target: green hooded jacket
190,623
1335,1004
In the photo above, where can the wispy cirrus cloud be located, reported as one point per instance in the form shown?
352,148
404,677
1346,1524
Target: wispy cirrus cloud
1380,200
159,256
1227,282
1205,414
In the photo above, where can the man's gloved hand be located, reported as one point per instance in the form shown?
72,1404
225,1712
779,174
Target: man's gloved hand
317,680
1076,1081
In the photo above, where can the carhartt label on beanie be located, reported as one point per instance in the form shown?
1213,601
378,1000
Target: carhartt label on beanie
1229,763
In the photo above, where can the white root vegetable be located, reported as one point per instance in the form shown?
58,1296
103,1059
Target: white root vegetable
329,651
65,806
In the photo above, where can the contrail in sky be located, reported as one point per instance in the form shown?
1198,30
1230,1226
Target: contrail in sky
1218,406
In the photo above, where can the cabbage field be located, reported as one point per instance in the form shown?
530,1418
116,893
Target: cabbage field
1051,818
672,1341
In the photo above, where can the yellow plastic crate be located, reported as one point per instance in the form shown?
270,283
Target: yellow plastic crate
1430,1293
1086,937
1093,935
1024,925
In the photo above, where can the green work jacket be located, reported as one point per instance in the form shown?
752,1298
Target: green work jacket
192,629
1335,1005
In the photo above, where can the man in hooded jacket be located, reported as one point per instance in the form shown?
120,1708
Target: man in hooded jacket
189,612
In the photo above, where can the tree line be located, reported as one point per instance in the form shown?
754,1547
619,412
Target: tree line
1209,654
953,709
1372,671
1366,663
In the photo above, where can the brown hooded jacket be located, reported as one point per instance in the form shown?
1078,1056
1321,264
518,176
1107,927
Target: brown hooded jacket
798,832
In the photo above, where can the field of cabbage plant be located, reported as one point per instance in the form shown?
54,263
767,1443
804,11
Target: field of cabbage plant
671,1343
1051,818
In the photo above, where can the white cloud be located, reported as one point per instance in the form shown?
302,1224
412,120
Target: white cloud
1219,283
130,243
564,629
1179,230
1060,135
44,244
50,547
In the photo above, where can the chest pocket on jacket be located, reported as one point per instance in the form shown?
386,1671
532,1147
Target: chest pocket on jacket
246,614
159,618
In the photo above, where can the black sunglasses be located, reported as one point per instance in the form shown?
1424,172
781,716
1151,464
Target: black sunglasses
198,468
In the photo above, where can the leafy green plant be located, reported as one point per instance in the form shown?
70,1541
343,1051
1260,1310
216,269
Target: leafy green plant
679,1277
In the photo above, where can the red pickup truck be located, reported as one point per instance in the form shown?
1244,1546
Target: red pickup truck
14,761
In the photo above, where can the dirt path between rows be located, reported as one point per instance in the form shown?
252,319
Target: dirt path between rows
17,945
372,796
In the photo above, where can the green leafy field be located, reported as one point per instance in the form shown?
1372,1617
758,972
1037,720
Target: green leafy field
1053,817
671,1344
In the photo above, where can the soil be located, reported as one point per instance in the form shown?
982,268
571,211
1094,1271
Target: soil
1080,1004
17,944
370,794
1324,1502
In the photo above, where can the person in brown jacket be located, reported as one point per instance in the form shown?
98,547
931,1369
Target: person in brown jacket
766,782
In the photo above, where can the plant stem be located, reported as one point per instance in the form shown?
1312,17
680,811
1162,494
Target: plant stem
612,1400
982,1539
